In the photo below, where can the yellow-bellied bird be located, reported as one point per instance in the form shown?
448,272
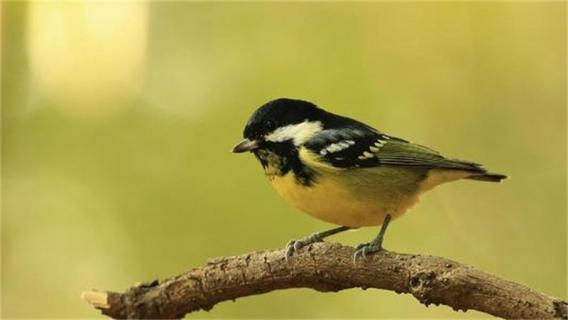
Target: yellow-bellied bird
343,171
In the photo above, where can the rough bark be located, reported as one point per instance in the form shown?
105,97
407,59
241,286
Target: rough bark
329,267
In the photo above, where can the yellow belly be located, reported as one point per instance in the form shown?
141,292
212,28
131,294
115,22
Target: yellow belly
334,199
358,197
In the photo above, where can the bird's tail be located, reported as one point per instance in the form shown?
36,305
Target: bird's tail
478,172
487,176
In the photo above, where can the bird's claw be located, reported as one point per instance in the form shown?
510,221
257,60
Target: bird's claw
295,245
362,250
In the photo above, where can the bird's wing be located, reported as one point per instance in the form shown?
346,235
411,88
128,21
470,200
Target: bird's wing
363,147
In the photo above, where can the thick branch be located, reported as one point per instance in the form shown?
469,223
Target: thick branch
329,267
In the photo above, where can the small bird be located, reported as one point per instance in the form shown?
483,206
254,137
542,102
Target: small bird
343,171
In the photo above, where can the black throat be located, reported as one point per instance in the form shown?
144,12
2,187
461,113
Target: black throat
279,158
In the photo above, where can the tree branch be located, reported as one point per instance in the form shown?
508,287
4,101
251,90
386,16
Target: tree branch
329,267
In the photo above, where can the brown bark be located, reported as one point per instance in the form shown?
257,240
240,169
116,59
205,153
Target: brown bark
329,267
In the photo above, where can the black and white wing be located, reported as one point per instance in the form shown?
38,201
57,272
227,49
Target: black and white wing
347,148
363,147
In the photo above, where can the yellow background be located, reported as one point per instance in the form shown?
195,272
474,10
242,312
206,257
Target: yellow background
118,119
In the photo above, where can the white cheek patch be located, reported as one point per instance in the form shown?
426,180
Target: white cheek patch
299,132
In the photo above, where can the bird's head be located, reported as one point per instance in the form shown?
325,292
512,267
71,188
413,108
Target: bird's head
281,125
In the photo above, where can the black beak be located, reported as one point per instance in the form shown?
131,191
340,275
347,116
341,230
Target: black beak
244,146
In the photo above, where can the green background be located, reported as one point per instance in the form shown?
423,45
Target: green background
118,119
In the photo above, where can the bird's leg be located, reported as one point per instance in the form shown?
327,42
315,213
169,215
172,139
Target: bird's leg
374,246
296,245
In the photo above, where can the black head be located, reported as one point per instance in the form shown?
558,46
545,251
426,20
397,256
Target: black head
279,113
276,130
276,114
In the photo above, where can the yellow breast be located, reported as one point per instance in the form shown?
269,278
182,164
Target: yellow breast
354,197
326,200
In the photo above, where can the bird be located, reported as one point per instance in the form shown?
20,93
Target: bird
343,171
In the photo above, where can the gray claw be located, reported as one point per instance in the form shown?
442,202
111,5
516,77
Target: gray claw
362,245
296,245
290,248
362,250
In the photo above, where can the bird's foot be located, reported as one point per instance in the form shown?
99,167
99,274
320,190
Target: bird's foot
295,245
362,250
376,245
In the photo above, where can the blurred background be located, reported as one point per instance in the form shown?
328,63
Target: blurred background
118,118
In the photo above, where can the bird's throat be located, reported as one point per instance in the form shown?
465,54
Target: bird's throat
279,162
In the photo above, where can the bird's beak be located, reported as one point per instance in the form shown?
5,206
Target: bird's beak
245,145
